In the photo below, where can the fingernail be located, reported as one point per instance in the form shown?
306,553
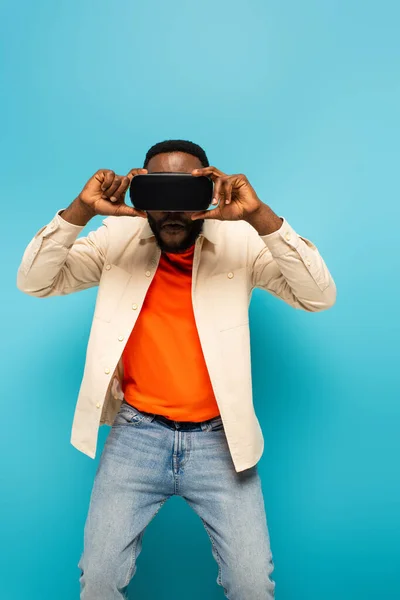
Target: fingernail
113,199
215,201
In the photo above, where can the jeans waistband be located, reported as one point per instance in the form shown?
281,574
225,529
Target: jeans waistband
180,425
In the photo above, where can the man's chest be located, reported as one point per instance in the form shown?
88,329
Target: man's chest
134,278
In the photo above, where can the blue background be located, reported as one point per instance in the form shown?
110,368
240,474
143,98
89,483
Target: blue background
302,97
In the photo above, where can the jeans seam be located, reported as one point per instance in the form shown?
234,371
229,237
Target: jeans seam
134,547
132,562
216,553
188,449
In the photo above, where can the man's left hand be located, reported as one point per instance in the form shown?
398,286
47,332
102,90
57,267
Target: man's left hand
237,198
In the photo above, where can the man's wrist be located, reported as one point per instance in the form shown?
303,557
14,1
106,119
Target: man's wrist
77,213
264,220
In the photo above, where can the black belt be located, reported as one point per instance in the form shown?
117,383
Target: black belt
182,424
170,422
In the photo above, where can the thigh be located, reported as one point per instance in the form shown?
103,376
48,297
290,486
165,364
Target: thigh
231,506
131,484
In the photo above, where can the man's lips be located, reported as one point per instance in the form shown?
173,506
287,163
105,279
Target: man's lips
173,226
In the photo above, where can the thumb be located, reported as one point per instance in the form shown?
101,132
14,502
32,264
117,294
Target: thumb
206,214
123,210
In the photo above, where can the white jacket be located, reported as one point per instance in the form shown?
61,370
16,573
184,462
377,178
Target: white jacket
230,260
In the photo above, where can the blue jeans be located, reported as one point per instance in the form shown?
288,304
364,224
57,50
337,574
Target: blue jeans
145,461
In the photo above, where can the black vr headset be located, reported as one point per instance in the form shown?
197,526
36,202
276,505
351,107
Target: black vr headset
171,192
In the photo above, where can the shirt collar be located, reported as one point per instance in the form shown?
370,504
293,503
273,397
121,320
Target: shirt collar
209,231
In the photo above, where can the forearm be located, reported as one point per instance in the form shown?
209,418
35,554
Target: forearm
56,262
292,268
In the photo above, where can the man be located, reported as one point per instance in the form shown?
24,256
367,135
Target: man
168,361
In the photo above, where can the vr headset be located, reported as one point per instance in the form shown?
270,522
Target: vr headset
171,192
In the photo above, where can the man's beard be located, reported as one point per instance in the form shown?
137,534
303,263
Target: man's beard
192,231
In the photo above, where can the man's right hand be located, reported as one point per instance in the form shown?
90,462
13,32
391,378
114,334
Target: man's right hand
103,194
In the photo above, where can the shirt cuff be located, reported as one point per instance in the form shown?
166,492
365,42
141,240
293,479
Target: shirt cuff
281,241
60,230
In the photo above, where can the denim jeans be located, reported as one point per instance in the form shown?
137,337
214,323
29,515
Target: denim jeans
145,461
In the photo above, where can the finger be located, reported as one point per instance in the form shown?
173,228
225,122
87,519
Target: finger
217,190
212,172
111,191
228,190
133,172
222,193
120,192
108,179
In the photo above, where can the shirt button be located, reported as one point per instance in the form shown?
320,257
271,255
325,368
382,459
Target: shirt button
230,275
108,267
134,306
121,338
106,370
148,273
308,262
287,235
97,405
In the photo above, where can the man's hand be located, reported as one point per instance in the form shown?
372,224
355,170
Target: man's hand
104,193
237,201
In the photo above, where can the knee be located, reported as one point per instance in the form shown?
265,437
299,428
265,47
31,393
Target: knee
94,582
100,582
242,584
256,590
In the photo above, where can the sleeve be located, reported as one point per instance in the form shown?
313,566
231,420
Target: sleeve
56,263
291,268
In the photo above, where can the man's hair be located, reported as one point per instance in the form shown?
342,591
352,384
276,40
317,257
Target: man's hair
177,146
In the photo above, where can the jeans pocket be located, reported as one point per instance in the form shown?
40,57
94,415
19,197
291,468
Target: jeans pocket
128,415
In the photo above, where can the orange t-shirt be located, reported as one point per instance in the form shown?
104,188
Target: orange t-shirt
164,367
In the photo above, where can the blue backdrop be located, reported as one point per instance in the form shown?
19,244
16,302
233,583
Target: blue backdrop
302,97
